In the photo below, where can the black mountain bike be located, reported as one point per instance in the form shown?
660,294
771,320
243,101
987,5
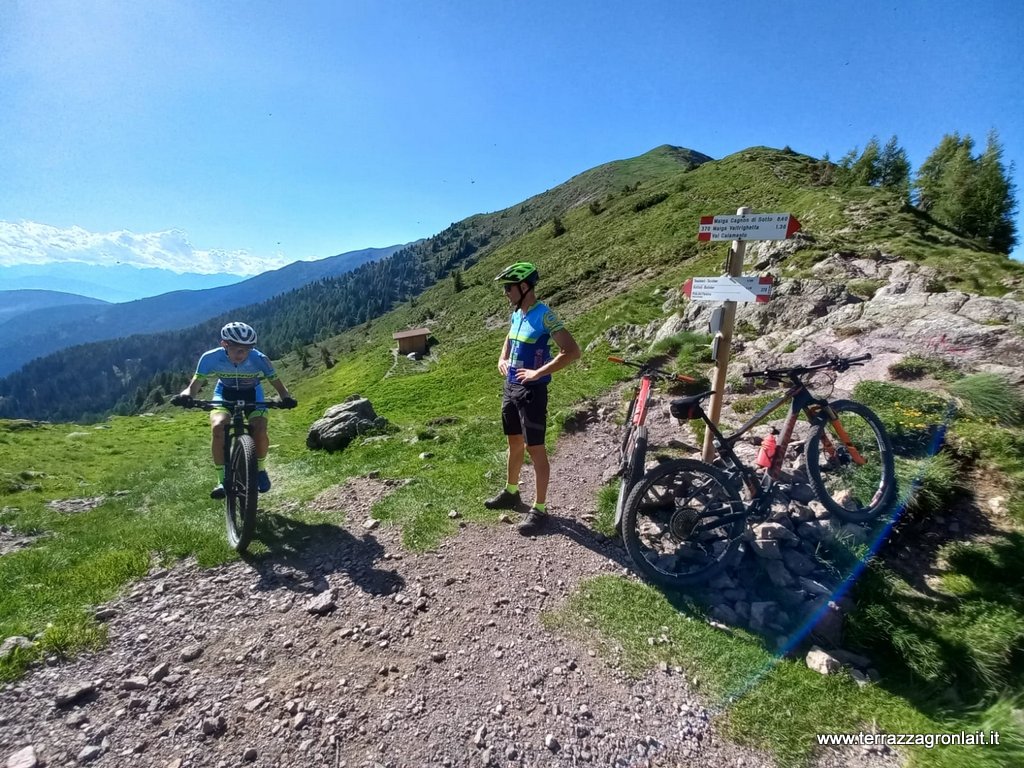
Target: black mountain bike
633,450
685,520
241,494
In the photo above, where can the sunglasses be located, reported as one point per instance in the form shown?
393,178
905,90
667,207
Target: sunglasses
507,287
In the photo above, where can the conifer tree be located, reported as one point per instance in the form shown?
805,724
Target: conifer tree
894,169
973,195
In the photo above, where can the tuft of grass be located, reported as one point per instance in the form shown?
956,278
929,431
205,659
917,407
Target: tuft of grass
865,289
916,366
990,397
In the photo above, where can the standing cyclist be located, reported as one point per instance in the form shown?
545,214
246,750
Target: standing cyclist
238,367
527,365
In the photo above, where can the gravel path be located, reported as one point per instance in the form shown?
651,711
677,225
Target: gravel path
354,652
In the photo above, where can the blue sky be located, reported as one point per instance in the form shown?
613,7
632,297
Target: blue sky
266,132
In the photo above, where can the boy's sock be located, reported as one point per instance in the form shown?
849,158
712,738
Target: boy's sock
261,464
220,471
540,506
511,488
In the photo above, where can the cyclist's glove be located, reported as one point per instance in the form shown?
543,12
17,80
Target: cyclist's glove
288,402
184,401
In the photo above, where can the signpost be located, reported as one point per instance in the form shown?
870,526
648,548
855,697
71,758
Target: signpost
733,287
756,226
726,288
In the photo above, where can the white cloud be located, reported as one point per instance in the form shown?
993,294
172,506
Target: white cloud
28,242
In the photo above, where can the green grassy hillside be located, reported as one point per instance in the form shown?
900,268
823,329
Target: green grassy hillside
629,240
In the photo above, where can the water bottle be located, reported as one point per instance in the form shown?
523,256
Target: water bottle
766,455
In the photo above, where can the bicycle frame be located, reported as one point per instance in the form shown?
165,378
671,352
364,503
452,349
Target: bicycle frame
801,401
641,400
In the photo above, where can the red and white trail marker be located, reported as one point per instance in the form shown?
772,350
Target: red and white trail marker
753,226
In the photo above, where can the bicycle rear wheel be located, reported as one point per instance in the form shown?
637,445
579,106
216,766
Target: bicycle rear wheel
635,453
242,494
850,463
683,523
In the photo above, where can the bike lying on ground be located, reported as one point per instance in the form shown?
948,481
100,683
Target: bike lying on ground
241,494
633,449
684,521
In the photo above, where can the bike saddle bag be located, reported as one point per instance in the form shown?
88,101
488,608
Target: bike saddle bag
686,408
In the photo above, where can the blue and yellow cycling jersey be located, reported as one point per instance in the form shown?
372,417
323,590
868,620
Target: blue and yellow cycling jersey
529,337
244,376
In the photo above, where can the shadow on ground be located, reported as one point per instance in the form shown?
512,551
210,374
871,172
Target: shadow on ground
301,555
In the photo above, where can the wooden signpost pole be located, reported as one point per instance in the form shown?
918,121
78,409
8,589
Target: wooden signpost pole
723,340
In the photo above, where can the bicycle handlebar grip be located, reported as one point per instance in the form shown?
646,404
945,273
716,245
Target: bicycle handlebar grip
615,360
862,358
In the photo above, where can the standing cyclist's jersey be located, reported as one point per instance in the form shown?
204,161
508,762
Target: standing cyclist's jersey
245,376
528,340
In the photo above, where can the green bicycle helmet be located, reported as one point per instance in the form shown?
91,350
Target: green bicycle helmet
521,271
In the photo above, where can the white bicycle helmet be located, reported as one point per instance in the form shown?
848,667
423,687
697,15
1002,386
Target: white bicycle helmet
238,333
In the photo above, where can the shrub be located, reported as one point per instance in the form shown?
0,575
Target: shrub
649,202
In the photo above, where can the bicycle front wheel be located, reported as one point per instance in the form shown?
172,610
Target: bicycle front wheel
850,463
683,523
635,452
242,494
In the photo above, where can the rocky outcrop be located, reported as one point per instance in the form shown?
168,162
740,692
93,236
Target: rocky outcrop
909,311
341,423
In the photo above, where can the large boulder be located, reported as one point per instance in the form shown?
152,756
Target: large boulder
341,423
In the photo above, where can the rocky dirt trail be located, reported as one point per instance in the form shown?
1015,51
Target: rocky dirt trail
356,652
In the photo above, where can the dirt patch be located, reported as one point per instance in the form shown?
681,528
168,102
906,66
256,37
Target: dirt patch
356,496
11,541
75,506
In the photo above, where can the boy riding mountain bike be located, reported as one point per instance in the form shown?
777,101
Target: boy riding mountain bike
238,367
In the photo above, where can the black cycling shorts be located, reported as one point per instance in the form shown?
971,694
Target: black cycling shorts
524,411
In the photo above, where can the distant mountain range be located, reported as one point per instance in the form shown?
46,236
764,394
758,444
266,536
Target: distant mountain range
14,303
117,282
44,329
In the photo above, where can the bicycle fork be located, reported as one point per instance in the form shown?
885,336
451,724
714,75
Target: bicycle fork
831,450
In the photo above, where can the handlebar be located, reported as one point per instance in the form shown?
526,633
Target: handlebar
647,369
839,364
209,405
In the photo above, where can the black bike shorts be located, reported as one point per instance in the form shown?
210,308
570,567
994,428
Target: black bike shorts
524,411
